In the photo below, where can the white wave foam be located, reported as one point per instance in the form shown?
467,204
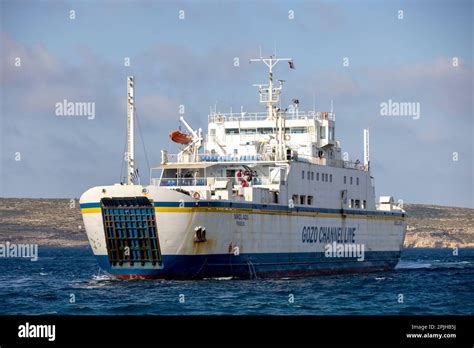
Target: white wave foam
429,264
101,277
412,264
219,278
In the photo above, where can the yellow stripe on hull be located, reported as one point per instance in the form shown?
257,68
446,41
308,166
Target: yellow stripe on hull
254,211
91,210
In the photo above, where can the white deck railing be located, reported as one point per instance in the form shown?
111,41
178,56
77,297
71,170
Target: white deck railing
204,181
174,158
333,162
262,116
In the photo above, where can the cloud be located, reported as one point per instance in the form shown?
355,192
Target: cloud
437,82
175,68
155,109
37,63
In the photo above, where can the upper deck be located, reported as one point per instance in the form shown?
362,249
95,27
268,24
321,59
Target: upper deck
263,116
276,137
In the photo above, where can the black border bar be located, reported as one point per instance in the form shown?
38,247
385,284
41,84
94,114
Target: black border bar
239,330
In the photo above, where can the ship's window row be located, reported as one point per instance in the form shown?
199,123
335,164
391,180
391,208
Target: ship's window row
325,177
345,180
303,199
358,204
230,131
309,200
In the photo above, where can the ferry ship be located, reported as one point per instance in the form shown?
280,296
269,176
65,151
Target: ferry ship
264,194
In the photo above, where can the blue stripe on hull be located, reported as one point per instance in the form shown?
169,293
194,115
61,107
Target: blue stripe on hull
247,265
268,207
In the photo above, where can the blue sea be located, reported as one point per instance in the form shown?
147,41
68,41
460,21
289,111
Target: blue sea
67,281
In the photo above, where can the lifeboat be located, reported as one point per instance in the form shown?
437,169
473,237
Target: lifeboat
180,138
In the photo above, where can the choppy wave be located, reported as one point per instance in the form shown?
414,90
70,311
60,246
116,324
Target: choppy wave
101,277
432,281
412,264
219,278
432,264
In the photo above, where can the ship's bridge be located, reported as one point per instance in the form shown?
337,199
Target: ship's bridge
255,135
259,143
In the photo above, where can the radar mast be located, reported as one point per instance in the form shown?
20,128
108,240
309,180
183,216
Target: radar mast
270,96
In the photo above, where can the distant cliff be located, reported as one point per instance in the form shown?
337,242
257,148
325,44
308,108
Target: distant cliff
432,226
58,222
55,222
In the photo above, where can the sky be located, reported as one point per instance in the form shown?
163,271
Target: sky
359,54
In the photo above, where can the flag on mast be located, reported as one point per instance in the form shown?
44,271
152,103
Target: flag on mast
135,175
291,64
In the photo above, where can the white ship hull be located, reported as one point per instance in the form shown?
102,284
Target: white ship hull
247,240
259,195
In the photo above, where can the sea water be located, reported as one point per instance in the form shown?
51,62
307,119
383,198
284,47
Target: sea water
68,281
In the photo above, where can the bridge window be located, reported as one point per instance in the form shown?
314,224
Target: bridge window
317,176
302,174
351,180
345,179
298,130
357,181
265,130
331,133
308,176
322,132
312,176
231,131
248,131
330,178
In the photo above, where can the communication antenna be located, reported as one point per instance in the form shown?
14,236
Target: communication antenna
130,134
366,148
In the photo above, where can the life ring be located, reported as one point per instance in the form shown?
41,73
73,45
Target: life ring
287,137
196,195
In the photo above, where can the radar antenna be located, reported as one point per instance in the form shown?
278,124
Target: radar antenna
270,96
